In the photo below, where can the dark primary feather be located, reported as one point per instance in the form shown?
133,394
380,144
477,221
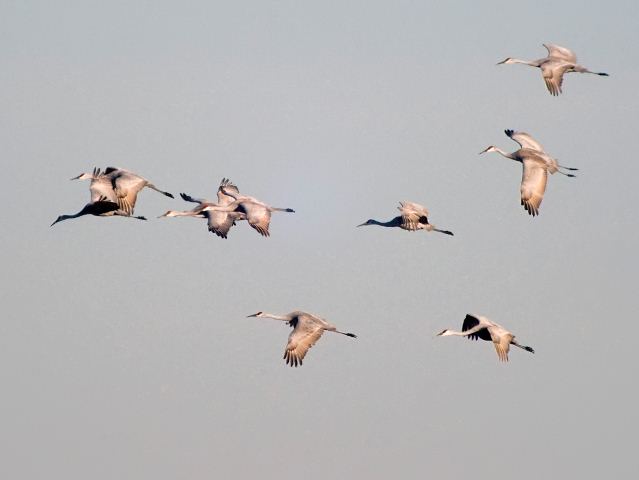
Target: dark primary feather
471,322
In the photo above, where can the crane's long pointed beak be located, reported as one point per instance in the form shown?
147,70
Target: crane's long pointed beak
361,225
254,315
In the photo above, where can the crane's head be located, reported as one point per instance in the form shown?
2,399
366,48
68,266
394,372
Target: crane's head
168,213
506,61
489,149
370,221
444,333
59,219
258,314
83,176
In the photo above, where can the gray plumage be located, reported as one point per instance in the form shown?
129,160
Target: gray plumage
413,217
559,61
307,330
536,164
479,327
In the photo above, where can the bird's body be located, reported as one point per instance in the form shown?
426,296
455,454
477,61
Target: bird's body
307,330
536,164
124,186
100,208
219,221
413,217
257,213
559,61
477,326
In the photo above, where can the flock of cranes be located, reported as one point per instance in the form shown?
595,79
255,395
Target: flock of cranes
114,192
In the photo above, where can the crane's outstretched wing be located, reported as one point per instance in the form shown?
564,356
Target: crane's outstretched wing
502,347
101,187
413,215
257,216
553,73
471,322
533,184
524,140
561,53
304,336
126,185
221,222
229,186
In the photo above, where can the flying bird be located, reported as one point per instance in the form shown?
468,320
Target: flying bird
307,330
219,221
536,165
476,326
257,213
125,186
559,61
103,199
413,217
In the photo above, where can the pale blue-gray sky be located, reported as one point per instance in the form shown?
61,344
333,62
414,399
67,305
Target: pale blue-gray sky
124,347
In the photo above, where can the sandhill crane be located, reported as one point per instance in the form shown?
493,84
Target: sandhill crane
525,140
307,329
258,214
219,222
126,186
413,217
476,326
536,164
103,199
560,60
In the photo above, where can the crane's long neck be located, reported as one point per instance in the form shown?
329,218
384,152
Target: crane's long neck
67,217
465,333
395,222
284,318
512,156
188,213
531,63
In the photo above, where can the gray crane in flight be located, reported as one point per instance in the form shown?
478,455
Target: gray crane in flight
477,326
307,330
559,61
413,217
536,164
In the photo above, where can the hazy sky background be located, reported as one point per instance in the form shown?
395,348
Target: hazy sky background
124,347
